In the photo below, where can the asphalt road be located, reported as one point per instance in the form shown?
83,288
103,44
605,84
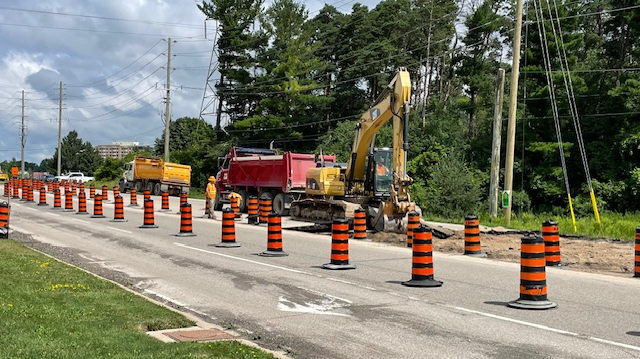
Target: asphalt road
292,304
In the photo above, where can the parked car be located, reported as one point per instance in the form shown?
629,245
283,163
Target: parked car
74,176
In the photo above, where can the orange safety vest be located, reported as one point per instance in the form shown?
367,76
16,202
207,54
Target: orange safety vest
211,190
382,169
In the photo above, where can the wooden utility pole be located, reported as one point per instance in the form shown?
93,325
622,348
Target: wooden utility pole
167,115
60,132
22,141
513,106
495,146
427,70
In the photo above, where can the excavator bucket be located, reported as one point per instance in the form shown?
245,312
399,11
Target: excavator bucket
385,223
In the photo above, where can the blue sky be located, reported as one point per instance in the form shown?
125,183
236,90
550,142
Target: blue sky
111,58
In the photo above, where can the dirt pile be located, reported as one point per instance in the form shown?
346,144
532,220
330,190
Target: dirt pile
603,256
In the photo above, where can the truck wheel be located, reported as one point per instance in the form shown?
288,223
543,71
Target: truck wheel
217,204
156,189
122,186
139,187
244,199
278,205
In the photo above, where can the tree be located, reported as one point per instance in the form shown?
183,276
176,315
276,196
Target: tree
76,156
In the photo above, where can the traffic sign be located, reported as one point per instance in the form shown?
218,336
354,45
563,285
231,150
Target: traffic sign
506,198
14,171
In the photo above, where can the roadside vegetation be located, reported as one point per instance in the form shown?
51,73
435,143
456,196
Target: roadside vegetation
52,310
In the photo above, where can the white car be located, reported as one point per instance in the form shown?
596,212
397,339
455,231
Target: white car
75,176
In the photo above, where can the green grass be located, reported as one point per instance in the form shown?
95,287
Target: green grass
52,310
612,225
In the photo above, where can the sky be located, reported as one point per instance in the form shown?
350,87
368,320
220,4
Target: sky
111,57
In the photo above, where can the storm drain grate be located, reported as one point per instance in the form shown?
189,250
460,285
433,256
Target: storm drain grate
198,335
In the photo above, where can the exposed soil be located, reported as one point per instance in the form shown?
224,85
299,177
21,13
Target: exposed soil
596,255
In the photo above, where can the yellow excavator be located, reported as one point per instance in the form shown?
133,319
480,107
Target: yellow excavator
365,181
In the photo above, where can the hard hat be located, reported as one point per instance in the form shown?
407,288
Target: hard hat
212,179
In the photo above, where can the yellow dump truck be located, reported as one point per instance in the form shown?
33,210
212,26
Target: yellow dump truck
3,176
152,173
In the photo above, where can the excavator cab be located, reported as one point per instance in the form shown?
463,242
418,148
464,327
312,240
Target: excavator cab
379,173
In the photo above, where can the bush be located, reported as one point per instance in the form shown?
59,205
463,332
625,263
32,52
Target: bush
110,169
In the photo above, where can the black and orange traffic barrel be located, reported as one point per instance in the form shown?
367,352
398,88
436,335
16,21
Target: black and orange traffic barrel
30,198
253,211
228,239
105,193
116,191
265,207
413,222
339,245
165,202
97,206
636,271
92,191
149,219
533,276
235,206
183,200
133,198
82,203
360,224
274,237
472,245
57,201
186,221
16,190
118,209
146,194
5,213
422,259
551,237
43,196
68,201
206,209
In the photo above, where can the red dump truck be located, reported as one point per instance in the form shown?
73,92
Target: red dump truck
264,172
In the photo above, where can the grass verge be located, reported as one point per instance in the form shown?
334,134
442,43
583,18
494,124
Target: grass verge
51,310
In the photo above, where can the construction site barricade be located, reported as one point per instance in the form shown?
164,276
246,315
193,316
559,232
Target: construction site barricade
274,237
636,271
183,200
228,238
265,207
339,245
146,194
97,207
360,224
533,276
118,209
57,201
551,237
413,222
82,203
472,245
149,219
235,206
253,210
105,193
422,259
68,201
133,198
186,221
43,196
5,213
92,191
165,201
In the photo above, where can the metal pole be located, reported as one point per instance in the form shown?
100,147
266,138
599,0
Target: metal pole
167,116
60,133
495,147
22,140
513,106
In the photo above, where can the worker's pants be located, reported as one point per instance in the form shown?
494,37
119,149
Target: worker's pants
211,202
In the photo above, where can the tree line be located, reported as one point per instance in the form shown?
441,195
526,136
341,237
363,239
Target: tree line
300,82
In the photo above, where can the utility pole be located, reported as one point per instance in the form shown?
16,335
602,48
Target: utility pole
60,132
167,115
513,107
427,77
22,140
495,147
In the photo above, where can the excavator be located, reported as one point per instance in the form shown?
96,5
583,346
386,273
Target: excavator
337,190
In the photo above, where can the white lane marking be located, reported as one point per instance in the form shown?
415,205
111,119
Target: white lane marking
32,209
243,259
52,214
80,220
488,315
119,230
543,327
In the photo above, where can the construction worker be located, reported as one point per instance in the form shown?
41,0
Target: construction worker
211,196
382,169
235,198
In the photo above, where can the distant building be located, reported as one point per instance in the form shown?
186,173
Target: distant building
117,149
